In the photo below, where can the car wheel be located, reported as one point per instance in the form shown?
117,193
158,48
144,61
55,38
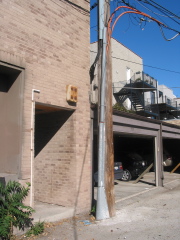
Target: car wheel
126,175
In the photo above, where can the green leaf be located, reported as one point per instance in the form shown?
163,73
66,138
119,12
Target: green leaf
12,210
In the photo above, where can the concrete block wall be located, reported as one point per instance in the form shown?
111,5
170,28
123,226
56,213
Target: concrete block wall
50,39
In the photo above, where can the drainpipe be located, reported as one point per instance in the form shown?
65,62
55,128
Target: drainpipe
32,144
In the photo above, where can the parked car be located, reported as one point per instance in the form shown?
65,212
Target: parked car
118,172
133,165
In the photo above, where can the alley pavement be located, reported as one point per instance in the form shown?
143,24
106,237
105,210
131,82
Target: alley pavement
148,213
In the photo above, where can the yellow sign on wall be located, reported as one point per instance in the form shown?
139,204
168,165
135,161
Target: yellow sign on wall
71,93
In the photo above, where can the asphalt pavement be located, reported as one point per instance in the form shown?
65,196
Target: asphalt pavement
142,212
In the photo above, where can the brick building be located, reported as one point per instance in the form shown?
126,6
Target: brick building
45,139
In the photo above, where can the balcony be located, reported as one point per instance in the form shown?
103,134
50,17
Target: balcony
134,90
143,80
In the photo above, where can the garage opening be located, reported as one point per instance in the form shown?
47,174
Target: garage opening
136,154
10,121
171,159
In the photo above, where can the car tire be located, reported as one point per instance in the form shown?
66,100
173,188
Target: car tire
126,176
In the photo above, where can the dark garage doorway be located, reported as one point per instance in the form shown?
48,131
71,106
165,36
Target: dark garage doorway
124,145
171,149
136,154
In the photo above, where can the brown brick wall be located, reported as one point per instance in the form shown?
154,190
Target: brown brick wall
55,164
51,40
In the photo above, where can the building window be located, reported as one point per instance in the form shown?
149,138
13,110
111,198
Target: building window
160,94
168,101
128,74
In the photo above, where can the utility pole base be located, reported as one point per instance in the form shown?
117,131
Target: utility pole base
102,211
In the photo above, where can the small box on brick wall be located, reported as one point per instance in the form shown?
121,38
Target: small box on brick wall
71,93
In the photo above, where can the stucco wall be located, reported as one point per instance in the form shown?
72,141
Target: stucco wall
166,91
122,58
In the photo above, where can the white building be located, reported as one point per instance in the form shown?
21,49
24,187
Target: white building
125,63
132,88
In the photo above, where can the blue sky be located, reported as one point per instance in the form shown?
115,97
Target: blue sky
147,41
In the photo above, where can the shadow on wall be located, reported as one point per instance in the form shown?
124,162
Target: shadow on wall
47,125
8,77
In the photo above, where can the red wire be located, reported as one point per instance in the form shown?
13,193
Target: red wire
110,29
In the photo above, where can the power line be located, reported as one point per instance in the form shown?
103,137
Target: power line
67,10
164,11
164,35
143,88
93,6
163,8
147,65
77,7
152,10
94,26
167,70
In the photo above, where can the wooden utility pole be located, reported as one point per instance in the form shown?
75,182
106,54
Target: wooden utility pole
105,192
109,164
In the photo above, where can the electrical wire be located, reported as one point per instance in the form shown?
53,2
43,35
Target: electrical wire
55,2
152,11
93,66
167,70
144,88
164,35
164,9
157,15
110,27
93,26
165,12
77,7
93,6
161,10
162,69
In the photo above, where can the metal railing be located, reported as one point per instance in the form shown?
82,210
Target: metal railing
168,101
164,99
151,108
144,77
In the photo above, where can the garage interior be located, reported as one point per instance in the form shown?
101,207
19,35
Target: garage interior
133,151
148,138
171,146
